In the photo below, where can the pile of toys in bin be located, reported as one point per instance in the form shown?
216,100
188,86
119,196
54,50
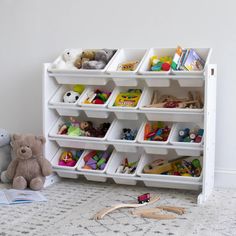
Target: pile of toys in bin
182,166
96,160
69,158
156,131
73,127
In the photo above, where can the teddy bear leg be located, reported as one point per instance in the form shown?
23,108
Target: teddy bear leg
37,183
19,182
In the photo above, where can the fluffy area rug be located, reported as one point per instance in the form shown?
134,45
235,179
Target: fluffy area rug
71,205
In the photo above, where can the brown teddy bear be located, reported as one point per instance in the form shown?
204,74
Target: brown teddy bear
29,168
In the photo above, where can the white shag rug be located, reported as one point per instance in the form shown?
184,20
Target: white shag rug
71,204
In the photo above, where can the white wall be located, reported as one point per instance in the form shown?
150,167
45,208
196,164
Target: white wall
34,32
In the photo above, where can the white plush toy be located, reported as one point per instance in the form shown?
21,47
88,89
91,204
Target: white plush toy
67,60
5,152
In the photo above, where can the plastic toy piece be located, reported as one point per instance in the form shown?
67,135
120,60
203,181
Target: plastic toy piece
103,212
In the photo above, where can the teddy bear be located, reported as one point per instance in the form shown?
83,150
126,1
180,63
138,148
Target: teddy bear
30,167
5,150
94,59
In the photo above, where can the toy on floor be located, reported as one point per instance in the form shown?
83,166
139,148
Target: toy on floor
128,66
69,158
5,152
169,101
94,59
96,160
128,134
181,166
97,97
187,60
127,167
75,128
30,167
190,136
128,99
161,64
157,213
144,198
99,215
156,131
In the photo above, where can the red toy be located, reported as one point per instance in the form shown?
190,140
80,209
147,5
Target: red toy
144,198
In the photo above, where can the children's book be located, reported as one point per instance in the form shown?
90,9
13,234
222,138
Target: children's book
193,61
13,196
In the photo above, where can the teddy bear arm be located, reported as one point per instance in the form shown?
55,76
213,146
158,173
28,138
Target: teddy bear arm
46,166
11,170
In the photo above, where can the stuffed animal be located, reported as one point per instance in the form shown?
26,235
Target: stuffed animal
68,58
30,167
5,150
102,57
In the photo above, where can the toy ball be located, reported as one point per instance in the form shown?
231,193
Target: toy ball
71,97
78,88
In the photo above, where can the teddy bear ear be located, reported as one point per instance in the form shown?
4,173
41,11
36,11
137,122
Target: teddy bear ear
41,138
15,137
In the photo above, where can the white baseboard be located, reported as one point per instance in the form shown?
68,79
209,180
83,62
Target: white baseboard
225,178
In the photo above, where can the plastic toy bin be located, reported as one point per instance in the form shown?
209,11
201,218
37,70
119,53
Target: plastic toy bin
58,167
171,114
95,109
116,161
99,174
145,68
147,159
114,136
154,147
123,56
125,113
82,142
205,54
63,108
174,139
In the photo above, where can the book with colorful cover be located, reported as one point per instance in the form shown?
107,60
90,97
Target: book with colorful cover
193,61
13,196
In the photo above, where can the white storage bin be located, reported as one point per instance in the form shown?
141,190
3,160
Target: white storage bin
73,70
125,113
205,54
82,142
147,158
63,108
154,149
116,161
170,114
123,56
175,137
95,174
115,135
145,68
58,167
96,108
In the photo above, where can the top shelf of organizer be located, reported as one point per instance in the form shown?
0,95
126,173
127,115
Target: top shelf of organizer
127,66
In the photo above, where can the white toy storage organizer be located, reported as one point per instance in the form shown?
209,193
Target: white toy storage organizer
56,82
